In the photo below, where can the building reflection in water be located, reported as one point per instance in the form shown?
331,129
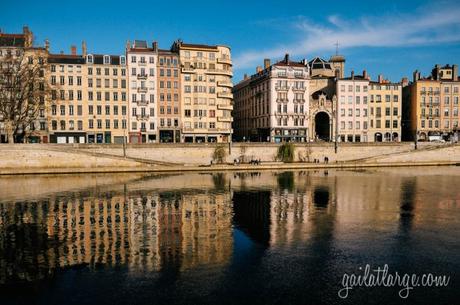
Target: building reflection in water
144,231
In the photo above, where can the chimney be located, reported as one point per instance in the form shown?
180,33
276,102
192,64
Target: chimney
47,45
266,63
73,50
245,76
155,46
352,74
286,58
380,79
83,48
454,72
258,69
365,76
404,81
415,76
61,52
28,36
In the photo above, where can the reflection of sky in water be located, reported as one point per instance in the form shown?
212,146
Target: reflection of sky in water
225,238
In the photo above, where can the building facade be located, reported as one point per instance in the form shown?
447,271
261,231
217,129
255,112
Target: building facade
142,79
432,105
206,82
169,97
107,98
352,118
385,104
67,113
273,104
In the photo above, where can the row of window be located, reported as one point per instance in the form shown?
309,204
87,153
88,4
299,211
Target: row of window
200,78
358,88
350,99
199,113
436,112
436,100
71,110
79,126
200,125
350,125
106,59
447,124
69,95
296,121
436,89
284,108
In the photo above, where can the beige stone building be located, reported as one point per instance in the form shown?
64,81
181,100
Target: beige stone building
20,47
142,78
206,82
106,95
385,100
272,105
431,105
168,97
67,107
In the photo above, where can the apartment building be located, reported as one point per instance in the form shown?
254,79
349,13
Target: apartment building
169,108
273,104
385,102
107,98
206,73
352,108
19,48
142,78
431,104
67,108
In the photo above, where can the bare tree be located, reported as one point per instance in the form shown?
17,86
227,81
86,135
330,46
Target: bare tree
23,89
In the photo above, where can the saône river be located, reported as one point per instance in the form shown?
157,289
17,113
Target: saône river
228,238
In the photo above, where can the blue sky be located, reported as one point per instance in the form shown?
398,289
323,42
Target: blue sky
389,37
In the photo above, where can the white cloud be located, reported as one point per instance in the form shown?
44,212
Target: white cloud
425,26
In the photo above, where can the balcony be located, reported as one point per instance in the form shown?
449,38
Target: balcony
219,72
225,84
225,107
188,70
142,116
225,119
224,60
282,88
225,95
142,63
142,103
142,89
143,129
281,100
299,101
142,76
299,89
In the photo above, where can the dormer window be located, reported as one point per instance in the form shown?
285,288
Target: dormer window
122,60
89,59
106,60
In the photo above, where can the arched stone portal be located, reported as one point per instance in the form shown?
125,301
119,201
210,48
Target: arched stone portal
322,126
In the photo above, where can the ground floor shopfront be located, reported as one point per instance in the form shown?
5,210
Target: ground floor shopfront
86,137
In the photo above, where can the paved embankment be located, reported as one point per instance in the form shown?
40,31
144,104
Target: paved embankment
64,159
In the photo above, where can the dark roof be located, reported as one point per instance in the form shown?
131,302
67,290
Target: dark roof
319,63
290,63
192,45
66,59
355,77
98,59
12,40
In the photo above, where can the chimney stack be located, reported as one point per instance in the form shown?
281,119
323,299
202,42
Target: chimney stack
266,63
416,76
454,72
245,76
73,50
258,69
155,46
286,58
47,45
404,81
365,76
380,79
83,48
352,74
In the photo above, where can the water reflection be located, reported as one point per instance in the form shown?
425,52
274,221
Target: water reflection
211,228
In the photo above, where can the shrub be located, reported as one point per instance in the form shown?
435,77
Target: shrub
219,154
286,152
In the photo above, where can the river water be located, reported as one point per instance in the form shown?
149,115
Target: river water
228,238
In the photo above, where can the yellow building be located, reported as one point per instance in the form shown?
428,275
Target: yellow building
67,112
432,104
107,98
385,100
206,81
